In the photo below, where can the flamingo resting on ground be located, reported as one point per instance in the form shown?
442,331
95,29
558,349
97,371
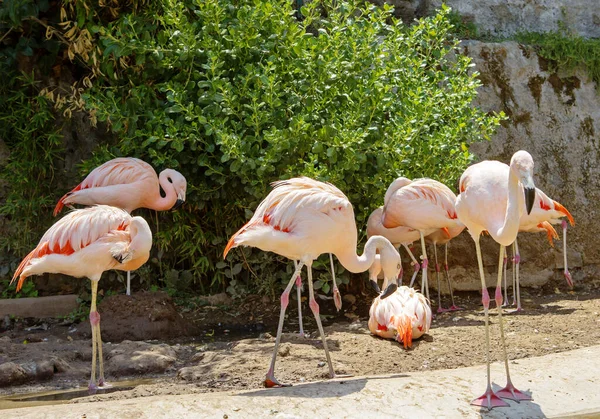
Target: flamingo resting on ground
85,243
545,212
300,219
492,197
128,183
405,315
425,205
442,236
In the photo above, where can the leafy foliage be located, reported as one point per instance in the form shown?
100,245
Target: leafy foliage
238,94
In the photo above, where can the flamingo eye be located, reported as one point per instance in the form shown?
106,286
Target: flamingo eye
398,267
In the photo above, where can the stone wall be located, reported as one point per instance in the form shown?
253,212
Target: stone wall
556,117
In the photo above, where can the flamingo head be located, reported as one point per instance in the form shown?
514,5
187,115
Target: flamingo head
521,164
391,265
177,180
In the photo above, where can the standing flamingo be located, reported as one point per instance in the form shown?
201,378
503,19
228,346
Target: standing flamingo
300,219
85,243
128,183
544,213
425,205
443,237
492,197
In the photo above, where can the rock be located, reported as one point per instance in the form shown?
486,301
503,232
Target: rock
207,367
12,374
349,298
60,365
197,357
284,349
129,358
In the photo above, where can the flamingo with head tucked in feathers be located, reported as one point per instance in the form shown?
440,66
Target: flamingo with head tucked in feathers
544,213
85,243
128,183
300,219
492,198
425,205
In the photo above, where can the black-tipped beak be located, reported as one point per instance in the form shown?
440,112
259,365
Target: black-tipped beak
529,198
178,203
388,291
119,258
375,286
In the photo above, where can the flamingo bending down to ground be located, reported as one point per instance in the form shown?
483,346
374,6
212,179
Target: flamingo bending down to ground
128,183
545,212
492,197
85,243
300,219
443,237
405,315
398,236
425,205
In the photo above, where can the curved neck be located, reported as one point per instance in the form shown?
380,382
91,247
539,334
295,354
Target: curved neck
510,228
162,204
354,263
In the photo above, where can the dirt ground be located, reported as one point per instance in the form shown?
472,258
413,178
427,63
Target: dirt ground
220,347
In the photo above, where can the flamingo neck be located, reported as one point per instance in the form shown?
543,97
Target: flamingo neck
507,233
354,263
158,203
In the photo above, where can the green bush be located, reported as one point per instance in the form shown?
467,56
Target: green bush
237,94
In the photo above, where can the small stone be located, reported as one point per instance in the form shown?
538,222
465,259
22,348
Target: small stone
12,374
197,357
321,364
284,350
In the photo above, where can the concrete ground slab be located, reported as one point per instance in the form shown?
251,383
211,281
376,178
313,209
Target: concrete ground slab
39,307
562,385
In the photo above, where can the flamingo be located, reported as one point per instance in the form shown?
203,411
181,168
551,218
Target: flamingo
85,243
300,219
405,315
545,212
398,236
492,197
425,205
442,236
128,183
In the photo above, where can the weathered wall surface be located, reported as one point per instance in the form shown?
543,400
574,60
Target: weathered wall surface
556,117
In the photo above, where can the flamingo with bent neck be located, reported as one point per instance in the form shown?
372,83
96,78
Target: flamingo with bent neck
128,183
300,219
492,197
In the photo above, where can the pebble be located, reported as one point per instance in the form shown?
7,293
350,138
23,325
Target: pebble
321,364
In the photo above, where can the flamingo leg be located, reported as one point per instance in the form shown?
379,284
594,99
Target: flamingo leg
437,273
424,284
415,263
270,380
567,273
314,306
489,399
514,280
504,265
94,322
508,392
453,307
518,283
337,297
128,291
299,290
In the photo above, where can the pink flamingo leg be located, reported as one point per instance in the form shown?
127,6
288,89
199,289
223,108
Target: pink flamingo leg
96,344
270,380
514,277
337,297
437,273
504,265
508,392
299,290
453,307
567,273
518,287
415,263
488,399
424,283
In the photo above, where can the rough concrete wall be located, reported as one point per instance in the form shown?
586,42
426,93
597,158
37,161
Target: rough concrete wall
556,117
505,18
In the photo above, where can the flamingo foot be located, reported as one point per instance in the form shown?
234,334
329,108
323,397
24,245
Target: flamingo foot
92,388
568,278
104,384
271,382
442,310
511,392
342,376
301,334
490,400
455,308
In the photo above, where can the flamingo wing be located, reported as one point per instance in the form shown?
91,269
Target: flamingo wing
74,232
119,171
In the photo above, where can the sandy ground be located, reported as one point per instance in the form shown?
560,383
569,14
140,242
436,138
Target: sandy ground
214,360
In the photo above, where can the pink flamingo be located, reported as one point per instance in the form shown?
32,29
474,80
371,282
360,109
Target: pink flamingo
128,183
492,197
443,237
425,205
85,243
545,212
300,219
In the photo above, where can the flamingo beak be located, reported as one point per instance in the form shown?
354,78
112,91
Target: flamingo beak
529,199
375,286
178,204
388,291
